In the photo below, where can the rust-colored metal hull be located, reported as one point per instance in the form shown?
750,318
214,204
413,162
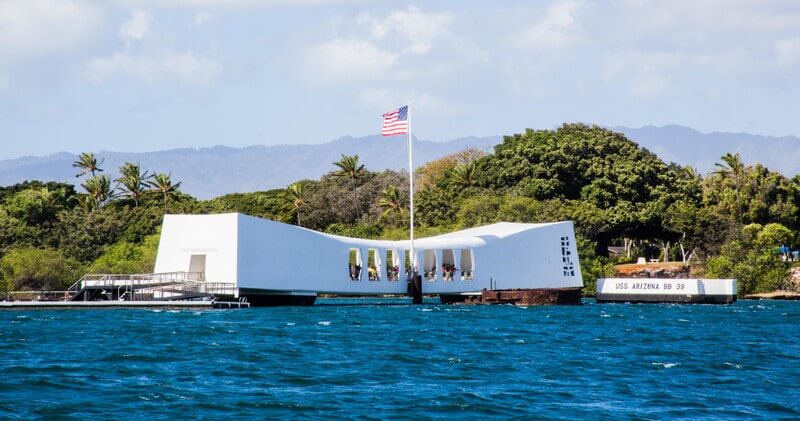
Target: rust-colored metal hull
521,297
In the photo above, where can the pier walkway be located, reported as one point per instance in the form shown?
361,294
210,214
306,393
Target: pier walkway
156,290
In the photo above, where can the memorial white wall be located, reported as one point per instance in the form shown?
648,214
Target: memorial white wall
212,236
265,255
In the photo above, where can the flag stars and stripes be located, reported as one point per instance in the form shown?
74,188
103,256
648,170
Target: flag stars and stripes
395,122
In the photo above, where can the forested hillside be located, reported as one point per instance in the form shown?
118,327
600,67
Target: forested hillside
739,221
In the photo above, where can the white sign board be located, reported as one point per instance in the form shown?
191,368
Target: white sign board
648,286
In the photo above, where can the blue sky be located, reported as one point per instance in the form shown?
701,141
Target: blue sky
128,75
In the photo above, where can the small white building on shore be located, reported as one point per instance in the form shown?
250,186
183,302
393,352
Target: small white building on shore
270,262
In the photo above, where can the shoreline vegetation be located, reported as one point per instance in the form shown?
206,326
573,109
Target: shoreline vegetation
740,221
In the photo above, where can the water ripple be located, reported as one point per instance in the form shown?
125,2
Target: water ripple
401,361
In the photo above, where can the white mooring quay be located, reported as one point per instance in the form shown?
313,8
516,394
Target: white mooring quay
271,263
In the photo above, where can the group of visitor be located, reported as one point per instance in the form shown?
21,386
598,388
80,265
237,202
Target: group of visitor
448,271
393,272
789,255
355,272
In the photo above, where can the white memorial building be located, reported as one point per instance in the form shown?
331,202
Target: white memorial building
274,263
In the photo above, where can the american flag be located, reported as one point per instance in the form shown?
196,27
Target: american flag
395,122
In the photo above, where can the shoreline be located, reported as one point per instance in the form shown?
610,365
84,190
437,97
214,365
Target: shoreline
774,295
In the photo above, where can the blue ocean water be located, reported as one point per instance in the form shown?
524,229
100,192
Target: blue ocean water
375,360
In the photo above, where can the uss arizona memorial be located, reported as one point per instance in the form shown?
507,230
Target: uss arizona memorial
269,262
262,262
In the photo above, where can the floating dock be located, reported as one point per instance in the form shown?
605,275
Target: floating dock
663,290
159,290
55,305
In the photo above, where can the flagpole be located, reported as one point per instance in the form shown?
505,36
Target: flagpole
413,259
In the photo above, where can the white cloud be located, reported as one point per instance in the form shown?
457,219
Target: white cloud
150,62
647,75
416,29
435,105
703,19
229,4
681,47
426,103
137,27
185,67
553,31
39,28
379,98
369,49
787,52
200,18
340,60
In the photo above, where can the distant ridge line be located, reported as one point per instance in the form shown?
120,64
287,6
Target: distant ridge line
213,171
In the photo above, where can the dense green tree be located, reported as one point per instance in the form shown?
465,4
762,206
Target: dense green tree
361,230
329,201
702,231
67,191
38,269
752,194
522,209
592,266
35,206
621,188
754,260
436,206
478,210
435,171
82,235
270,204
140,222
126,257
16,233
28,216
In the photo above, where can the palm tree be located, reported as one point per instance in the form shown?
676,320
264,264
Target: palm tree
350,168
132,182
87,162
690,173
162,183
391,202
295,199
733,167
98,191
464,175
